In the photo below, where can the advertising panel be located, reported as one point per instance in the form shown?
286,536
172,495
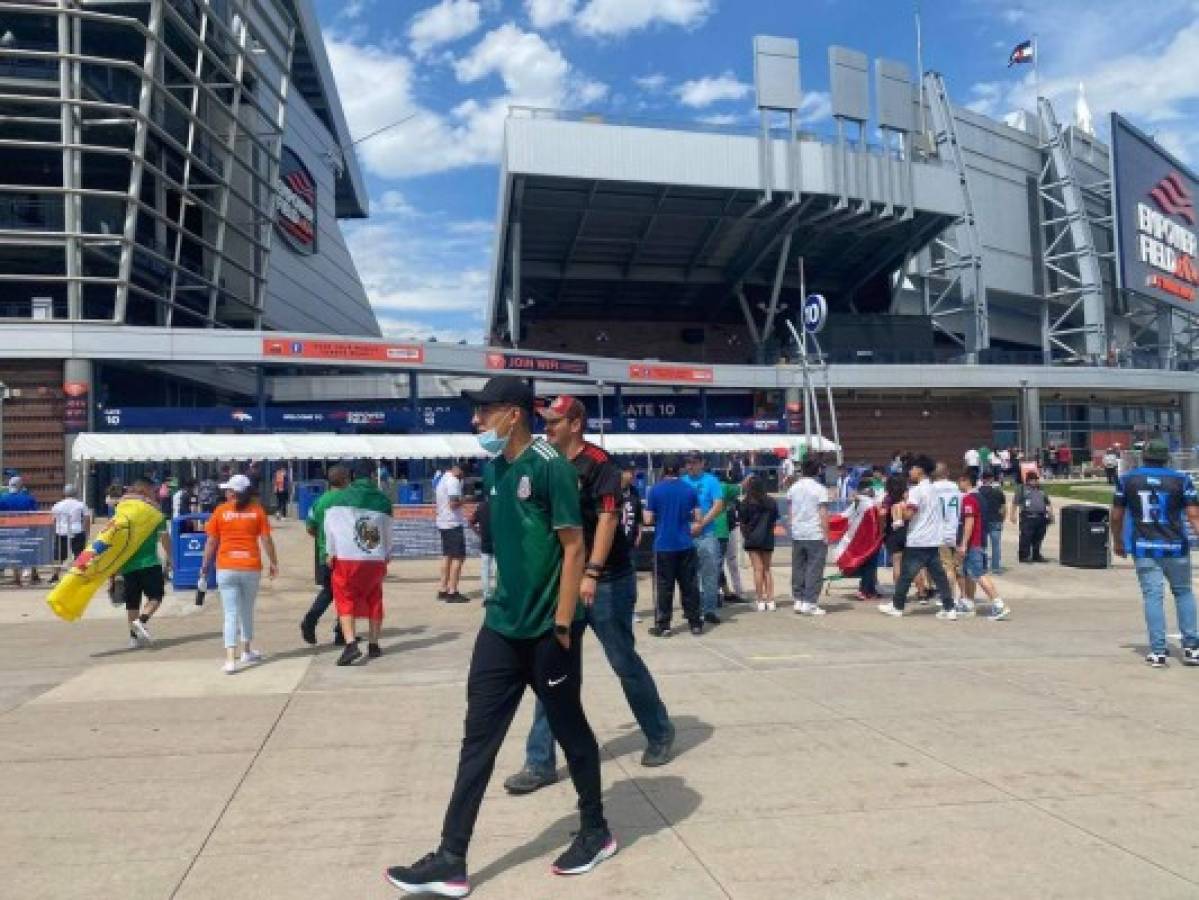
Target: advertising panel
1153,206
356,351
522,362
295,203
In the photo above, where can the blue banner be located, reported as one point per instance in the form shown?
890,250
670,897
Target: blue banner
26,539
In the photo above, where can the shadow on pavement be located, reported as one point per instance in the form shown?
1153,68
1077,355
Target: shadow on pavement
690,732
388,649
550,842
160,644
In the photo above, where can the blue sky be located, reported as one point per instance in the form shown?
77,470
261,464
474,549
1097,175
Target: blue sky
455,66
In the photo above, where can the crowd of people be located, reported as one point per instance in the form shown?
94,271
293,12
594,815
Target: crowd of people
560,525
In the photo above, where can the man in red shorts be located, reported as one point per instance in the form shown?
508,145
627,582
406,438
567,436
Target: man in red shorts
358,546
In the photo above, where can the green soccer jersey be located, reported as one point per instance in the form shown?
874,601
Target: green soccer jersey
530,499
147,554
316,519
729,493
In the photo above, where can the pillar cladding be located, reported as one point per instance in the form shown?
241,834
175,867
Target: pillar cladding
1030,418
1189,401
78,387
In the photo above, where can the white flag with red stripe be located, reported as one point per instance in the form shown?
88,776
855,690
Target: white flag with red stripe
862,537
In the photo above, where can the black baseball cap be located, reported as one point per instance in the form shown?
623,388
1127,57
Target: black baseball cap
507,389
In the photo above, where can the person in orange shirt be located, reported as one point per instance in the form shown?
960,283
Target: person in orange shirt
235,529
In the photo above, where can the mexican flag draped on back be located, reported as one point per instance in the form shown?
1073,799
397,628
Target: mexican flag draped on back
358,537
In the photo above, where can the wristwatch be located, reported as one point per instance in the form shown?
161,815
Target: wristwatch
561,629
593,569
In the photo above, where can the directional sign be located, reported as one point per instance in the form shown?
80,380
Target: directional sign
815,313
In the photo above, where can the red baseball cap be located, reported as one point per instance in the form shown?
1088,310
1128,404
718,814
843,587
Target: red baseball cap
563,407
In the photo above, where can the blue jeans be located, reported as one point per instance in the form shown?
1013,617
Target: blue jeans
1153,574
994,542
611,618
868,574
239,590
707,548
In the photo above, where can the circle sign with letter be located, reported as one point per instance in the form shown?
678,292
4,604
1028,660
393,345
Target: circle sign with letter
815,313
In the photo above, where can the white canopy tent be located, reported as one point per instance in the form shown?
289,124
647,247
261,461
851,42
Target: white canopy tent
182,447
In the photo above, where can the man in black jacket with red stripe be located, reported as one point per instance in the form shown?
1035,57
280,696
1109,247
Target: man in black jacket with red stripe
609,594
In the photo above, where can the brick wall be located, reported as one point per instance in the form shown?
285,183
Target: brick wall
872,430
33,426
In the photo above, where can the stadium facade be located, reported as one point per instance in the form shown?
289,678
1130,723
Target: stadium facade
172,259
173,164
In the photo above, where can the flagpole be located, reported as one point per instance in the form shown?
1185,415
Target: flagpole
920,66
1036,78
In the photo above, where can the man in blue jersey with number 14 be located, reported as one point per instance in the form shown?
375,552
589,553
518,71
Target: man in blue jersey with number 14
1147,521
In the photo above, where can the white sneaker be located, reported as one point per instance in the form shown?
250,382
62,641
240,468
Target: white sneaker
812,609
999,611
964,607
134,643
950,615
799,607
888,609
761,606
771,606
250,657
230,667
142,632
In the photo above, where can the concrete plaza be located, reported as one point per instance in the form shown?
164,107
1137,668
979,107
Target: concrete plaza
853,756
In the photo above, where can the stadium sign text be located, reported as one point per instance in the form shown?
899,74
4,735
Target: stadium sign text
295,203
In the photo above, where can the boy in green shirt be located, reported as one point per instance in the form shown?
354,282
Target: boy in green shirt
339,478
143,573
530,638
726,535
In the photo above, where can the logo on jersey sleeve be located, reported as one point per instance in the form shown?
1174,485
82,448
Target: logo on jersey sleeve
524,490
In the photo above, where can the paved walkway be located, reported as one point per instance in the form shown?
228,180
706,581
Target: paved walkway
853,756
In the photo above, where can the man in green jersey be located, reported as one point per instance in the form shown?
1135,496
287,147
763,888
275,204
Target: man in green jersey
339,479
530,638
143,572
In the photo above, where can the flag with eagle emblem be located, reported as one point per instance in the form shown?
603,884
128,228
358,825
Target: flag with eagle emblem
358,545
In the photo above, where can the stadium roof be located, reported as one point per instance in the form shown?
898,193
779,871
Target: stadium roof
624,219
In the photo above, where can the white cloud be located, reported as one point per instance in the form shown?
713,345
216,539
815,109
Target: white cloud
424,276
701,92
651,83
528,66
548,13
1146,67
815,106
392,203
407,329
614,18
377,88
723,119
352,9
443,23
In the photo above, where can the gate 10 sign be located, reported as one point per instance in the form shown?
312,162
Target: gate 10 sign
814,313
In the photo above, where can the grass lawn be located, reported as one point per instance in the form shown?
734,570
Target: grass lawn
1086,492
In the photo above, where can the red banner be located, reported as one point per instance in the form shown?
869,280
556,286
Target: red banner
651,372
355,351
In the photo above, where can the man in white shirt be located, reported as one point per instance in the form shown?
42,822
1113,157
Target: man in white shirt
787,471
926,534
451,525
949,498
71,523
972,460
809,539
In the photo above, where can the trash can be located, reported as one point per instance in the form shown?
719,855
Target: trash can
188,540
411,494
306,494
1085,536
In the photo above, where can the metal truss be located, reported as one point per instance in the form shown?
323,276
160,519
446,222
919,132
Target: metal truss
201,133
1073,321
956,261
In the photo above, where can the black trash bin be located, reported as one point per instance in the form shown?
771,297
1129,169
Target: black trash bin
1085,536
